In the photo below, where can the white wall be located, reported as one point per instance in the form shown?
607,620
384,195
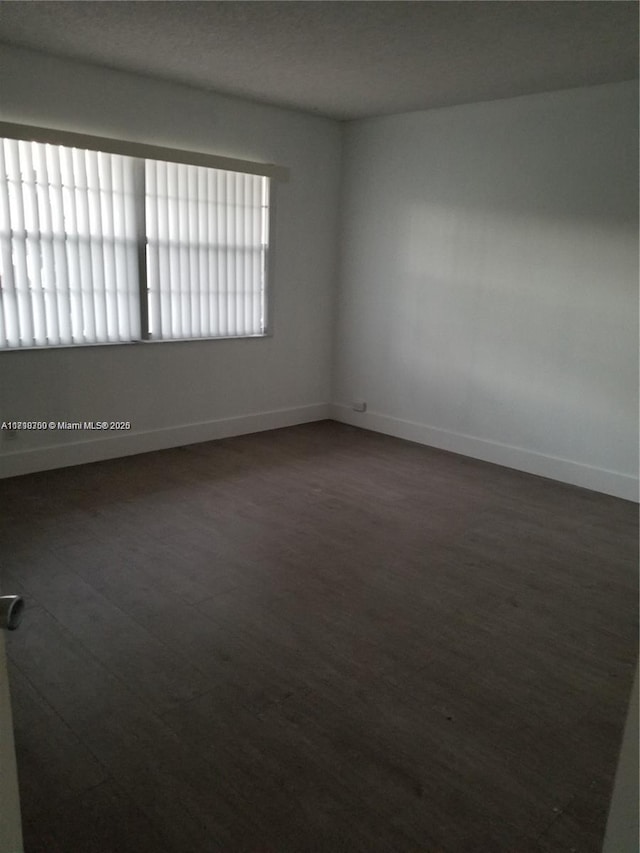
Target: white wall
179,392
489,282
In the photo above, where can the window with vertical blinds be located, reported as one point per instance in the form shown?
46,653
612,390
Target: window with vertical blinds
206,251
68,254
104,248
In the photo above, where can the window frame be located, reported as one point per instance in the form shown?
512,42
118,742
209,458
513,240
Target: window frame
145,151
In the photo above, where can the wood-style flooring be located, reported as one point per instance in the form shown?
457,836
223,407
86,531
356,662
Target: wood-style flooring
316,640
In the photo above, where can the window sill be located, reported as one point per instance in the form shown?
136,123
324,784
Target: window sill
135,343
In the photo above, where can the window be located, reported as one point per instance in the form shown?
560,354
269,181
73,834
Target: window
206,251
99,247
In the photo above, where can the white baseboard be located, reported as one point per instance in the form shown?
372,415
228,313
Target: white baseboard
596,479
30,460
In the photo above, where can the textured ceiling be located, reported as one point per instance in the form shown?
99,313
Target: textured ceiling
344,59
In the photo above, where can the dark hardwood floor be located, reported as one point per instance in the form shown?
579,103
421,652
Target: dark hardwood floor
316,639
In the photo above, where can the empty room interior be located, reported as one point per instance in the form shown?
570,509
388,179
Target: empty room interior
319,427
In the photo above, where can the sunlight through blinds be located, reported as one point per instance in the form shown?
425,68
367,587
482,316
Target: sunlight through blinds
207,240
68,246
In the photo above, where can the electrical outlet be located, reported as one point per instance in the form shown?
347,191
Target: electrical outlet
359,406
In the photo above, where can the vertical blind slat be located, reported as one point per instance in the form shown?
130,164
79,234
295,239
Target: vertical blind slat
238,283
251,254
153,246
255,256
264,249
60,282
212,256
172,282
109,246
223,253
122,246
185,270
187,273
202,219
51,331
231,234
132,237
33,244
89,332
10,319
96,242
194,265
242,255
72,244
168,263
19,244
